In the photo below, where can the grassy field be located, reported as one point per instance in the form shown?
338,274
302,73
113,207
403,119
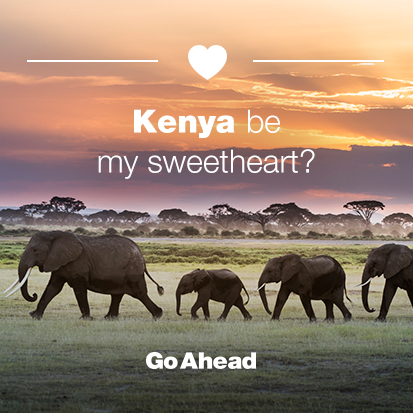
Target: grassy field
63,364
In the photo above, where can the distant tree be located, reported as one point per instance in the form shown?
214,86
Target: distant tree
10,214
35,209
365,209
259,217
133,216
223,215
296,217
339,219
290,214
399,218
66,205
104,216
174,215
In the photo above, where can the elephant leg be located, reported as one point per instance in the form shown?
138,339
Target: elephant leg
339,302
53,288
306,302
388,294
80,289
282,297
205,309
149,304
329,310
239,303
200,302
410,294
114,307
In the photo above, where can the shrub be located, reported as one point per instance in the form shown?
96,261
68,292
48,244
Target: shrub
111,231
80,230
189,231
132,233
272,234
1,227
410,235
226,233
211,231
162,233
313,234
294,235
367,234
238,233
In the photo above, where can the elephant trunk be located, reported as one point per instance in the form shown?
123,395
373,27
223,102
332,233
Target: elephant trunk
261,288
24,272
365,291
178,301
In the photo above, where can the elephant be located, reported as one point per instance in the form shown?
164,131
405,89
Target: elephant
223,286
318,278
396,263
108,264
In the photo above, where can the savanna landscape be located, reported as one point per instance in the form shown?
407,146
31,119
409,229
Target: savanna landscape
63,364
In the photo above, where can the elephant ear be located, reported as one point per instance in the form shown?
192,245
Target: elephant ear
291,265
400,257
201,278
65,248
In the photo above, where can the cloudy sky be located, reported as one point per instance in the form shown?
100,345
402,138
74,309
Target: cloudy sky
57,118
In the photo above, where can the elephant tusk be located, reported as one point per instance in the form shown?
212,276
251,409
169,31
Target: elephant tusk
261,287
15,282
363,284
22,282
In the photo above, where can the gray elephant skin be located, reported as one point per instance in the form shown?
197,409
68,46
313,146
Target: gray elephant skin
396,263
107,264
223,286
318,278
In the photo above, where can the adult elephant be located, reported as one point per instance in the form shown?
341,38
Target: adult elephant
395,262
108,264
223,286
318,278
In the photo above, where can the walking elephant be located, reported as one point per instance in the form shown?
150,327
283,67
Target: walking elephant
318,278
395,262
108,264
218,285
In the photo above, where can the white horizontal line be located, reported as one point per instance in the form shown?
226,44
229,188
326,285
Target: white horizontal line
318,61
92,61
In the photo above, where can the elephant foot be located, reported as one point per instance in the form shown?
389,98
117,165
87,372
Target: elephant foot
195,317
313,320
35,315
221,319
248,317
110,317
348,317
85,317
381,319
275,318
158,314
329,320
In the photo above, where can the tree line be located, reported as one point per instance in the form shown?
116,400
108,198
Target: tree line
66,210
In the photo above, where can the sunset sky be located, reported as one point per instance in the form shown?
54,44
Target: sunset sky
57,118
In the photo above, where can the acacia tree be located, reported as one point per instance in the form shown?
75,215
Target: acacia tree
224,215
399,218
365,209
174,215
259,217
133,216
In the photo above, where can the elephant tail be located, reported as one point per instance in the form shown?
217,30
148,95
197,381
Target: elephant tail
159,288
345,292
246,292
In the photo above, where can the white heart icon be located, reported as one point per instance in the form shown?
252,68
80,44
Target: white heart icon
207,62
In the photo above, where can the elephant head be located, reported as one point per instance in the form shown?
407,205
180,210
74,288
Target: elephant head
276,270
388,259
49,251
190,282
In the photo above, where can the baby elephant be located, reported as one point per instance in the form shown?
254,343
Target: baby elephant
219,285
318,278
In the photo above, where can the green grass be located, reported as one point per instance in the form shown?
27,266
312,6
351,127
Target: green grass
63,364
